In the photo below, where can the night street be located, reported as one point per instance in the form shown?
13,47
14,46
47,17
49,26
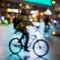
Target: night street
6,34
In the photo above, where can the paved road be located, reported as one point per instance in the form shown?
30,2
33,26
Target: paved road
6,34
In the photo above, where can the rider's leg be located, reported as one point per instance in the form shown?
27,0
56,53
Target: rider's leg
27,38
22,34
26,43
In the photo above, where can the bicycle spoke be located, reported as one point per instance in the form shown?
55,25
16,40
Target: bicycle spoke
40,48
15,46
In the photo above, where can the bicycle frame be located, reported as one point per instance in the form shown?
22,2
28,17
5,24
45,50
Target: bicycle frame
15,47
36,36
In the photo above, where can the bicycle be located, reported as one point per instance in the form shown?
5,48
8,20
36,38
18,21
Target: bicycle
40,46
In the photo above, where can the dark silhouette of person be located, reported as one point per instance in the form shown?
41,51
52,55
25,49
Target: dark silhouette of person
47,21
15,20
20,25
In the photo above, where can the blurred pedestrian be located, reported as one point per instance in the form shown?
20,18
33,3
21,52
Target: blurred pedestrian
15,20
46,27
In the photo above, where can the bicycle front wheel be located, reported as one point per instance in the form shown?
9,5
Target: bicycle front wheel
40,47
15,46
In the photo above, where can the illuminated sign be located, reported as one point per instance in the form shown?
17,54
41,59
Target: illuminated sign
44,2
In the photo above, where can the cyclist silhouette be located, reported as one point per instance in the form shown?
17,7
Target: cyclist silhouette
21,24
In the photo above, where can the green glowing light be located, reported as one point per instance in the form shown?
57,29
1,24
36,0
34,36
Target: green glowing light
6,22
0,22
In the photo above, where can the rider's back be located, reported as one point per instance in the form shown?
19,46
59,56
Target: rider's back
23,22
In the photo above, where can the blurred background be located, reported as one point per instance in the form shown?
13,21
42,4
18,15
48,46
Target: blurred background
8,8
36,11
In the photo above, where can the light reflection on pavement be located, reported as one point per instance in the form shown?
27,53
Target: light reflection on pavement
6,34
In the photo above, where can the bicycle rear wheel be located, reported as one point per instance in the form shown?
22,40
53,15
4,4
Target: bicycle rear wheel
15,46
40,48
